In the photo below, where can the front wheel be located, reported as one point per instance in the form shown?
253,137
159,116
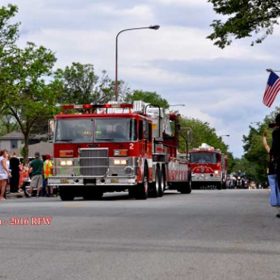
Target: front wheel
66,194
219,185
155,186
162,184
92,195
186,188
142,189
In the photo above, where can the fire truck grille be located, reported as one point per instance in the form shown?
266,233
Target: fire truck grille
94,162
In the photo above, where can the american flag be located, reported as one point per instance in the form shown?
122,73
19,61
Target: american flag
272,88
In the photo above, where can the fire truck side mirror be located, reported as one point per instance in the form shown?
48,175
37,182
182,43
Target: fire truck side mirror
140,130
51,130
158,140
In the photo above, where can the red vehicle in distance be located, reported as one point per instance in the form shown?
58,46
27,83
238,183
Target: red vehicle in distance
208,167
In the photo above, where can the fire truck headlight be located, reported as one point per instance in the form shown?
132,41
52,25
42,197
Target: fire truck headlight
120,162
66,162
216,172
69,162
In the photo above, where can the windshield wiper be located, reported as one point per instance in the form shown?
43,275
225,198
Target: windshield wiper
104,139
63,140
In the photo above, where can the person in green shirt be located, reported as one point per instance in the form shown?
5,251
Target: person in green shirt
36,173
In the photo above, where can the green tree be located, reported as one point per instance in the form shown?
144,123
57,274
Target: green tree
78,82
30,97
80,85
8,31
254,151
149,97
245,166
201,133
246,18
8,36
7,123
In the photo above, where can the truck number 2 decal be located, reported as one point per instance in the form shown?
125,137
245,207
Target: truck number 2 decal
131,146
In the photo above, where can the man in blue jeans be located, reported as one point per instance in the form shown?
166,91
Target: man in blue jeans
274,154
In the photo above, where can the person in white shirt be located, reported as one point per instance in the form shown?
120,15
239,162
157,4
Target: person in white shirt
4,173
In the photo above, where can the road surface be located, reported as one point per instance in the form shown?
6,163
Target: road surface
209,234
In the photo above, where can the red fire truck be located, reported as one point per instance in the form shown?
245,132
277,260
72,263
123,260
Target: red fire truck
209,167
117,147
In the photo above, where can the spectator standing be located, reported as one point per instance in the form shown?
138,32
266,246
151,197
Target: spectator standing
4,173
48,173
21,174
274,163
24,179
15,171
36,173
275,147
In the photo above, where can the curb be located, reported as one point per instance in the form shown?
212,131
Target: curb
15,195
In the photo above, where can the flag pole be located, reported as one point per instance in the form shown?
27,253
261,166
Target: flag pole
271,70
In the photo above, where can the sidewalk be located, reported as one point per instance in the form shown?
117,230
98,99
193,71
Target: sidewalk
15,195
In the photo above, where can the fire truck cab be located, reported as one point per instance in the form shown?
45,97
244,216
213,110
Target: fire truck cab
117,147
209,167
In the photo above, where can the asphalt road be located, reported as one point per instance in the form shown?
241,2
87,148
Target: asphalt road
210,234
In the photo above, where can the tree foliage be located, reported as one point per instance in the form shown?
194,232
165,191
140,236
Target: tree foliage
7,123
80,85
201,133
30,98
8,31
255,153
8,36
246,18
246,167
149,97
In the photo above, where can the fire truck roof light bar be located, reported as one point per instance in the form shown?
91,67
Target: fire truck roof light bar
96,106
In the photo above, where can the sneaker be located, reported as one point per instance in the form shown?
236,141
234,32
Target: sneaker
277,215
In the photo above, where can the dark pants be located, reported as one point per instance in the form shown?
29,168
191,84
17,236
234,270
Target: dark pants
14,182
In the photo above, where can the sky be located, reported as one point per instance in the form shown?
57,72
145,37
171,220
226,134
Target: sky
221,87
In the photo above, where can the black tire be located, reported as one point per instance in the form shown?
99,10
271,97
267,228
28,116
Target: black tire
131,192
92,194
219,186
185,188
155,186
142,189
66,193
162,185
196,186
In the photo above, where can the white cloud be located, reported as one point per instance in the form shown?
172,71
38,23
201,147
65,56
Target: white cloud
222,87
191,3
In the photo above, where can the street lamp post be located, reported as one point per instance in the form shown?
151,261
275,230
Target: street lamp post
187,137
154,27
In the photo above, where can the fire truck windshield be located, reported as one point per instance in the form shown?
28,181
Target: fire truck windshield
95,130
74,130
203,158
115,130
